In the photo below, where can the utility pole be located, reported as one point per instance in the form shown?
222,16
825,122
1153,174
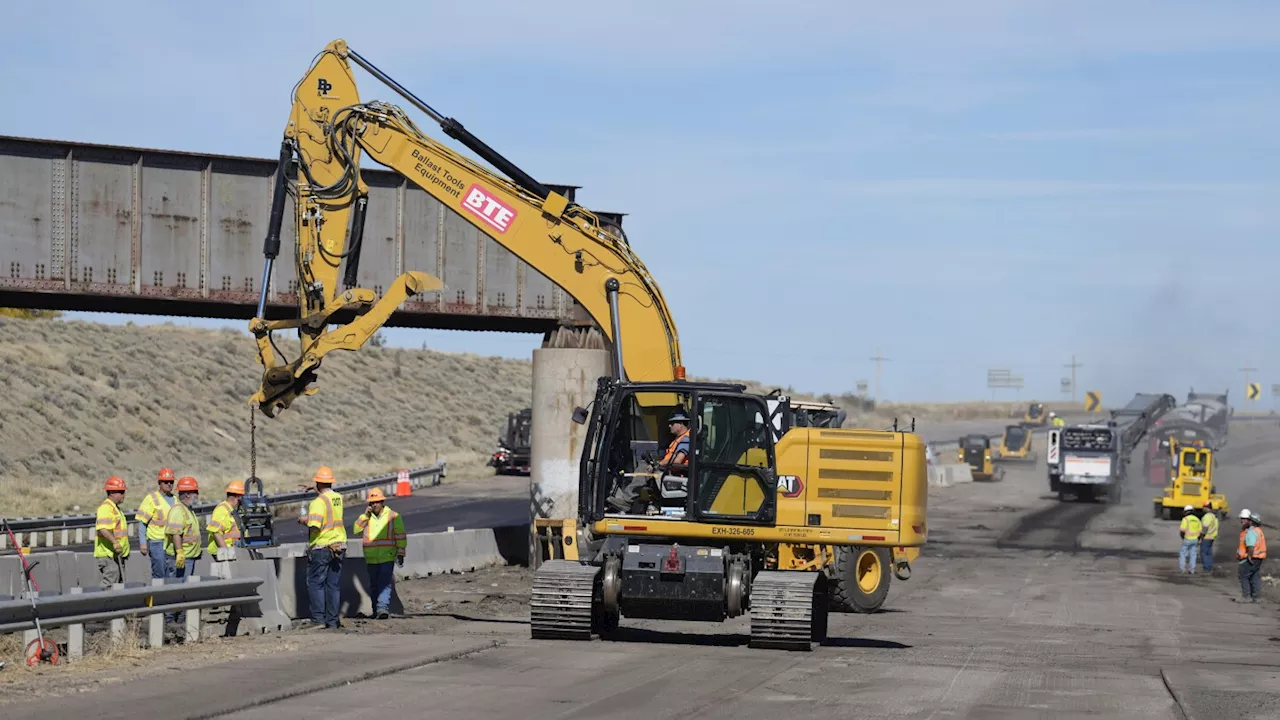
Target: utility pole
879,361
1246,370
1073,367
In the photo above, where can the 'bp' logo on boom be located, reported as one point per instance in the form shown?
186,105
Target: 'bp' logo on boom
495,213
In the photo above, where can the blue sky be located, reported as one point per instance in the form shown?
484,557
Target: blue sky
958,186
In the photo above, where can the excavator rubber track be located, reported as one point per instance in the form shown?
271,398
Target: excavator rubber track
785,612
562,603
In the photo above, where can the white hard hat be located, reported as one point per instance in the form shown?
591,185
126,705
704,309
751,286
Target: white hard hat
1245,513
1188,508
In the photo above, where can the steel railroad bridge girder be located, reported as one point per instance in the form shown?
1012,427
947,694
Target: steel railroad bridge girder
155,232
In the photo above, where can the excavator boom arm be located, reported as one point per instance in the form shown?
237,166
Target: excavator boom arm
329,128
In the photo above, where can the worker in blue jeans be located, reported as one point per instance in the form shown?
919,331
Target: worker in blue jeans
326,548
1251,552
1190,530
1209,520
382,530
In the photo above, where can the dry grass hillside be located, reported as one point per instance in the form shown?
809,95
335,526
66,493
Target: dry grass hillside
83,401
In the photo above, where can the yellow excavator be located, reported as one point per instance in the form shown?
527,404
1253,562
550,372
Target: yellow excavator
762,517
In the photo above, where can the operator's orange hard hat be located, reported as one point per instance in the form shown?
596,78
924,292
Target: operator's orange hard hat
236,487
323,475
187,484
376,495
166,474
115,483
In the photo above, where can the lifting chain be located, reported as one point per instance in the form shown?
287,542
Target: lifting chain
253,442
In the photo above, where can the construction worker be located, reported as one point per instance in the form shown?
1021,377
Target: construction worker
1251,552
152,516
326,545
224,528
1190,530
182,533
1209,519
677,457
1057,421
111,541
384,543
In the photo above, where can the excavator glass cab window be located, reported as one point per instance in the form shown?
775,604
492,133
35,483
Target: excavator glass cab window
734,459
638,441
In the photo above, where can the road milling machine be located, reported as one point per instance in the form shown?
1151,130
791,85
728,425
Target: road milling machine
1090,462
766,517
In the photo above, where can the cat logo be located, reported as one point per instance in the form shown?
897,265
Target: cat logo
790,486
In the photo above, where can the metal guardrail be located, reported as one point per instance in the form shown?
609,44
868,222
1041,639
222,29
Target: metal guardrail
94,604
79,522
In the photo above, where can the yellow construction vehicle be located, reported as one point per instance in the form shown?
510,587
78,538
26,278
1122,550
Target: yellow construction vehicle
1036,415
767,516
1015,445
975,451
1191,482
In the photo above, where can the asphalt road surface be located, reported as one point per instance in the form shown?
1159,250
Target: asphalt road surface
1020,607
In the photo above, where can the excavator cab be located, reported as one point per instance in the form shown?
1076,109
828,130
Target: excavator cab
1015,445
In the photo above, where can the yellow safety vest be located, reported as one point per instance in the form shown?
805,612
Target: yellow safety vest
223,522
325,514
111,519
384,536
1191,526
153,512
183,522
1210,523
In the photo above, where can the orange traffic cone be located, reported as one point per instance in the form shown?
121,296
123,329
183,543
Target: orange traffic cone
403,489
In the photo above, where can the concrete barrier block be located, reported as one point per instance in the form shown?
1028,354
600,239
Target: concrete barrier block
938,476
957,474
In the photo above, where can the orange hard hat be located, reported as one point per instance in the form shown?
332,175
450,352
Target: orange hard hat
375,495
187,484
323,475
115,483
236,487
165,474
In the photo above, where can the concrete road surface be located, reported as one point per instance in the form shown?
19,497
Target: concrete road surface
1020,607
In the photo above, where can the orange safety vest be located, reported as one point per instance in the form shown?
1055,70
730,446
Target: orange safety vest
1259,550
671,452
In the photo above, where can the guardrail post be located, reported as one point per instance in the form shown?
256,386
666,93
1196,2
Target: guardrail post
79,536
65,534
155,634
4,541
75,635
48,539
193,618
31,543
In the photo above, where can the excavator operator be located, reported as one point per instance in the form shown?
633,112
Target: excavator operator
642,487
676,461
